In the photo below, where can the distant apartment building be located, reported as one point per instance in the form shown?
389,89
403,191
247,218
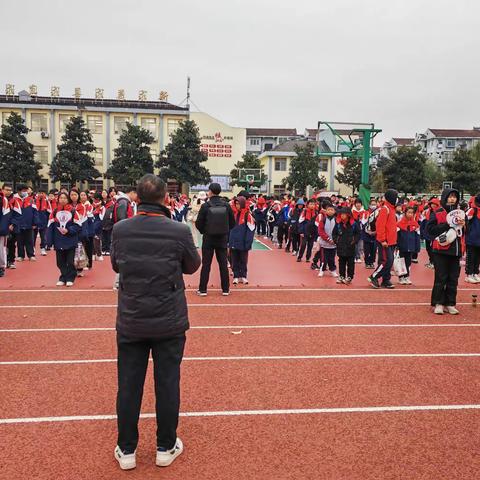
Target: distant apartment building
261,140
393,145
440,144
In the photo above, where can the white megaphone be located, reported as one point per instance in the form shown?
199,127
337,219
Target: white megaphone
63,217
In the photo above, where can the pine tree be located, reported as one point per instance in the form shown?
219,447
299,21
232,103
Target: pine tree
351,174
181,161
304,170
132,159
464,170
406,170
17,163
73,163
250,162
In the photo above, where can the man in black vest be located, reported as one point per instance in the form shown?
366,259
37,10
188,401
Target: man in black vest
215,220
151,253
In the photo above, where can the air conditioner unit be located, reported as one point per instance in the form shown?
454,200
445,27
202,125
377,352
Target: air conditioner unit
45,134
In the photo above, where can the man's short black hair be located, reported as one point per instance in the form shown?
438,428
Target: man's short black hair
130,189
215,188
151,189
21,187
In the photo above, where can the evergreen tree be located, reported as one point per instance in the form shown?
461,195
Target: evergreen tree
17,163
406,170
464,170
351,174
73,163
249,161
304,170
132,159
181,161
435,176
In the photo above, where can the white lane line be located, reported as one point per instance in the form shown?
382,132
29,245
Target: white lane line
252,327
240,413
243,305
239,289
258,358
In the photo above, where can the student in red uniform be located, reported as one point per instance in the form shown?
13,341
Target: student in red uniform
408,241
42,214
472,240
5,216
346,235
358,213
386,232
308,230
23,216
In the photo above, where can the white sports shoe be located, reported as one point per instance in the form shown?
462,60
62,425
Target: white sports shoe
334,274
126,462
100,258
470,279
438,310
167,457
408,281
60,284
321,272
452,310
69,284
235,281
43,252
244,281
477,277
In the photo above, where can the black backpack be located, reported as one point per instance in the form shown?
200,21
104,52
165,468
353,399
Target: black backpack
217,220
107,221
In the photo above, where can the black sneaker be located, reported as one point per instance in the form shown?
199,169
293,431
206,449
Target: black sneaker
388,285
299,259
2,272
373,282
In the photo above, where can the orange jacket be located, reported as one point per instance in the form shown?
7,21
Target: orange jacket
386,225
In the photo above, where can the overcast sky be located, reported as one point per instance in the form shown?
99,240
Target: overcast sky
406,65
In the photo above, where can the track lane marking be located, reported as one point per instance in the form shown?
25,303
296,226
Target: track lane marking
256,358
243,305
238,413
252,327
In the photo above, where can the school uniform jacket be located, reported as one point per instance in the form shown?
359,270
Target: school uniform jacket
74,227
5,216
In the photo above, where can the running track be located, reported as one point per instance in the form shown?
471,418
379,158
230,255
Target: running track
315,382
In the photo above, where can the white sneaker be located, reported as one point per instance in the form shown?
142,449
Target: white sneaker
244,281
100,258
438,310
235,281
334,274
402,281
60,284
321,273
43,252
470,279
225,294
126,462
33,259
408,281
167,457
69,284
452,310
19,259
201,294
80,274
477,277
294,253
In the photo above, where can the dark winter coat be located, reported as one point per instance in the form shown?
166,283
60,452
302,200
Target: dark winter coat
151,253
346,236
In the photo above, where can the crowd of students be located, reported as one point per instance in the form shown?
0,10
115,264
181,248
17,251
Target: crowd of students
325,232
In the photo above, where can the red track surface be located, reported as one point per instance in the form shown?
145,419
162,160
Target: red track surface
440,444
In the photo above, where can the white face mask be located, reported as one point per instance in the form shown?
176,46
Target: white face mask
24,194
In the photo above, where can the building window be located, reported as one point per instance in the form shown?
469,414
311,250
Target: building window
268,146
150,124
282,140
96,185
172,125
323,165
41,154
119,124
63,121
278,190
450,143
255,141
98,157
280,165
43,184
95,124
5,115
39,122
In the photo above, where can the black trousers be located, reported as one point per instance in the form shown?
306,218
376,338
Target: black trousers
447,271
261,227
293,241
346,266
369,250
65,263
239,260
207,257
428,246
43,237
11,247
282,233
132,365
385,262
408,256
25,243
473,260
88,245
306,243
106,240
